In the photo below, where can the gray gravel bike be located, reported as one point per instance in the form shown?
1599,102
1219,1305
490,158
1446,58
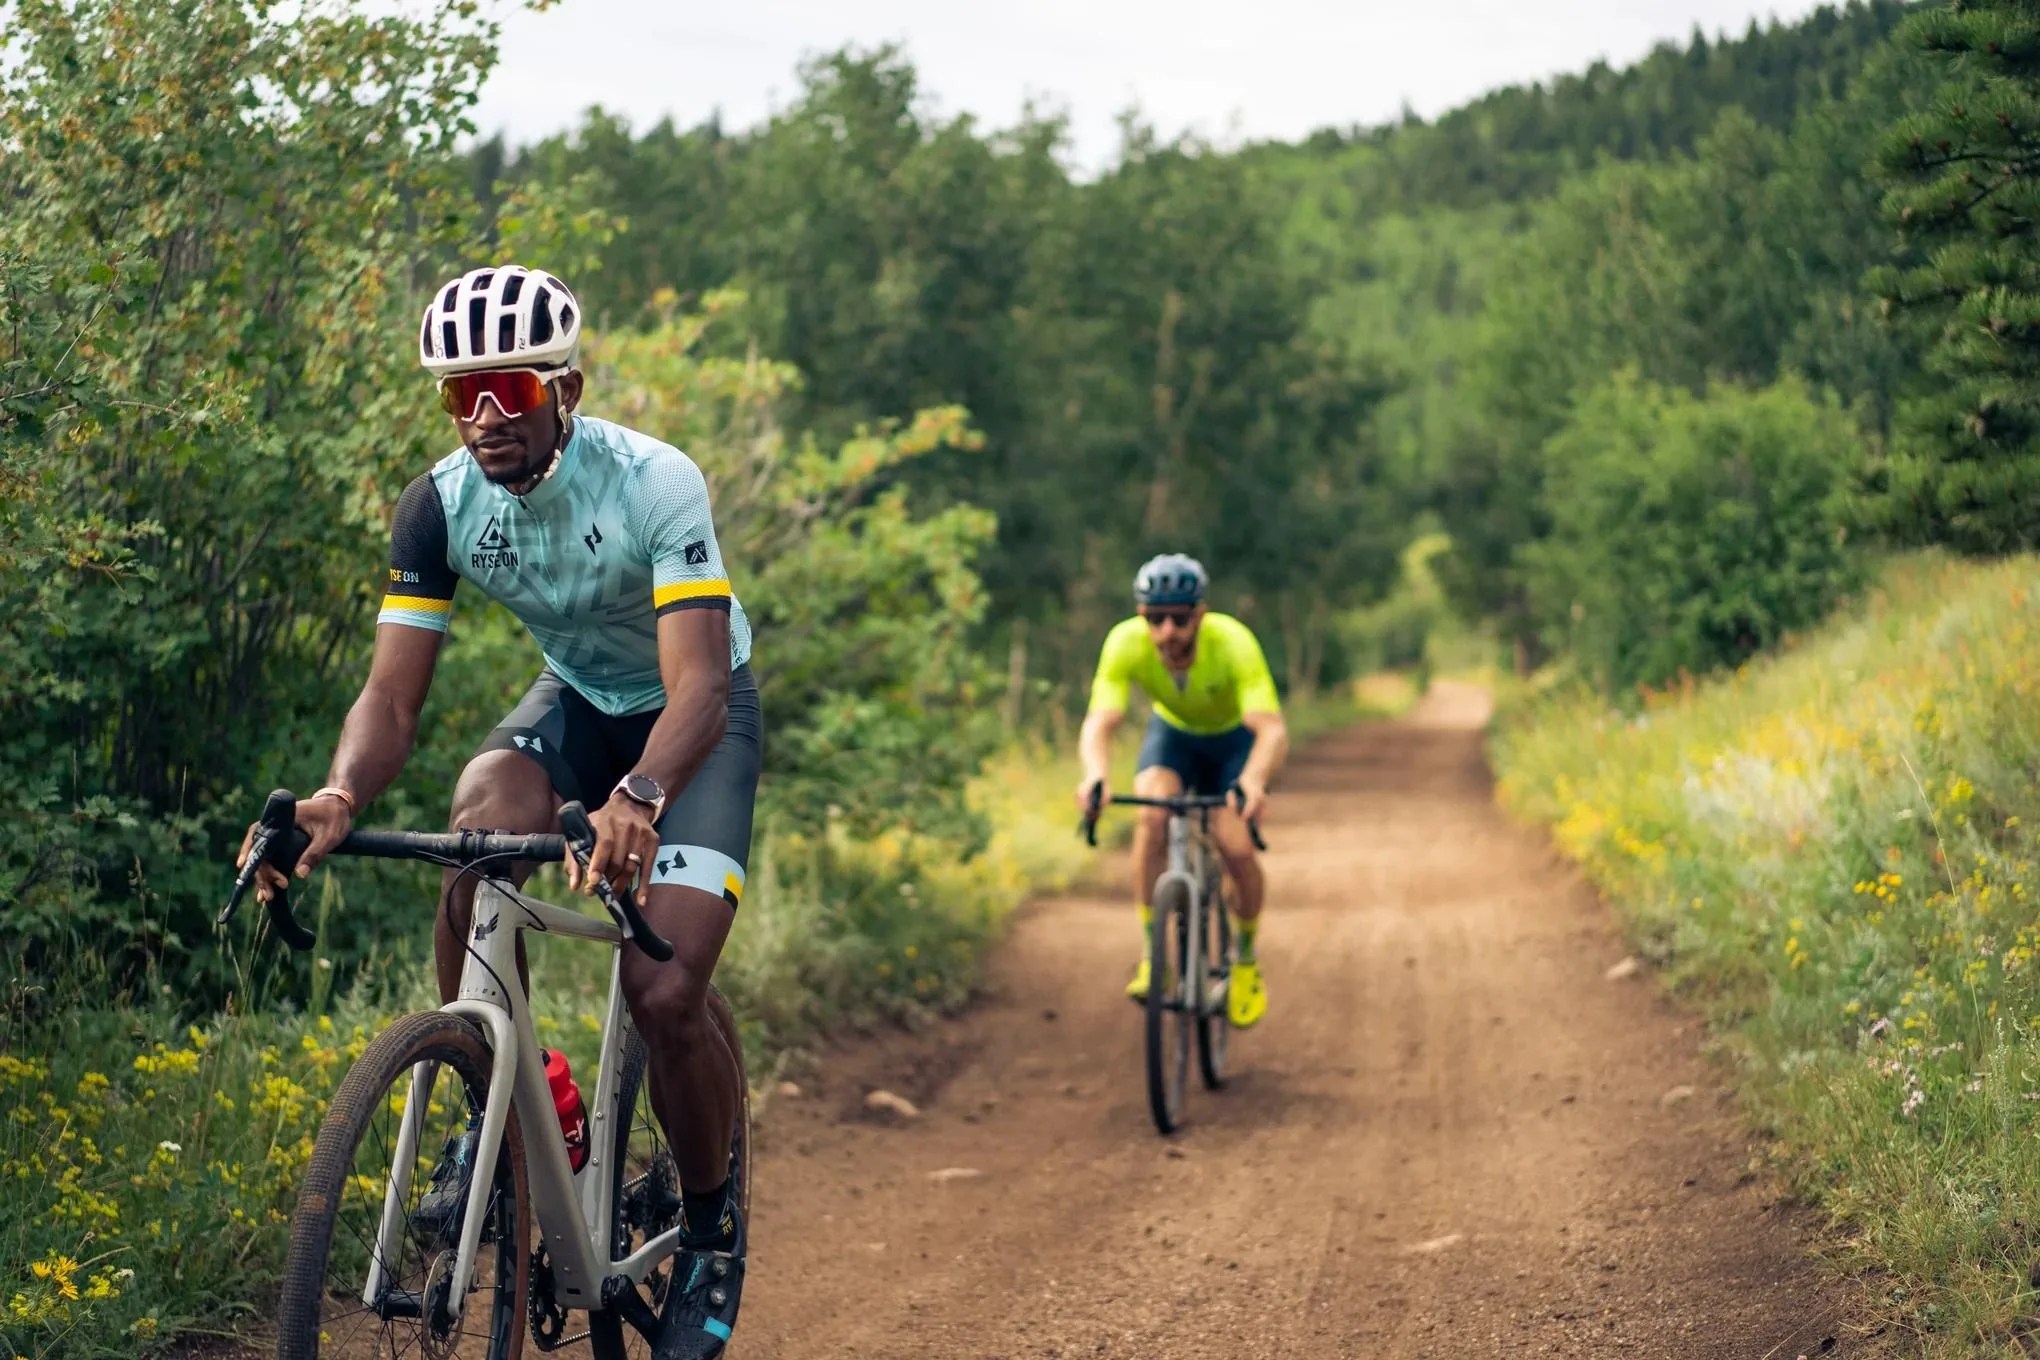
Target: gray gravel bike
454,1103
1190,949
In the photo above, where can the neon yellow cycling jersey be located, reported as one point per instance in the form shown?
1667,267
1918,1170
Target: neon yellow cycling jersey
1228,676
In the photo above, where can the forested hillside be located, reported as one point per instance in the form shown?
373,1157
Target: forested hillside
1339,337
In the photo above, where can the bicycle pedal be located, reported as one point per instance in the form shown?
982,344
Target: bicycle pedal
621,1297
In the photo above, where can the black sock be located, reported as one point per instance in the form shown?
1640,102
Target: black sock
707,1218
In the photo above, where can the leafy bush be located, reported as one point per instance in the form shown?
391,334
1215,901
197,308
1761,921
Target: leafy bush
1395,634
209,405
211,212
1690,532
863,608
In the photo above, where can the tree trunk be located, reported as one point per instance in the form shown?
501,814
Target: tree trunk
1016,676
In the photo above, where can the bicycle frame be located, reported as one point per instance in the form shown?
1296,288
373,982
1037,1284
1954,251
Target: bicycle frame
573,1210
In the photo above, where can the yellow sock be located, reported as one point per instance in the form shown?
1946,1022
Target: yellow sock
1147,928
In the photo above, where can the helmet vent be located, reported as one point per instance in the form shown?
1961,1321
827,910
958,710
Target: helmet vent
512,286
449,298
449,340
506,332
541,318
478,320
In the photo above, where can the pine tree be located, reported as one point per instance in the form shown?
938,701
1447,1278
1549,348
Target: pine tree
1963,180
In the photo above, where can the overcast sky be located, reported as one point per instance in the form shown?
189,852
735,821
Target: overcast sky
1242,68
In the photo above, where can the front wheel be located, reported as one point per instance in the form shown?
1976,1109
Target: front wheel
1213,1027
1168,1023
340,1208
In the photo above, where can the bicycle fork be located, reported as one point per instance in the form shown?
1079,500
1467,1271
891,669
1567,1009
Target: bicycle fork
1190,922
484,1004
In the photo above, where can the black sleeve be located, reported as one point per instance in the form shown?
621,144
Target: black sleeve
421,580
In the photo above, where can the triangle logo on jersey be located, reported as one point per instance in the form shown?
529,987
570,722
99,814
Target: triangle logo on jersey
492,549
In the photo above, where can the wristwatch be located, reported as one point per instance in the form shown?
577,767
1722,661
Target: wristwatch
643,790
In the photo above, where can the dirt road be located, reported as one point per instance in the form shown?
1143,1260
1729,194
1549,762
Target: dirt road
1452,1137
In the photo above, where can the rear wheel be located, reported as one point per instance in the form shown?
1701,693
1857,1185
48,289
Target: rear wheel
340,1210
1168,1025
647,1190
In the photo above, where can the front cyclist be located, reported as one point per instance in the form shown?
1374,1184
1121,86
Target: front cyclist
1217,723
600,540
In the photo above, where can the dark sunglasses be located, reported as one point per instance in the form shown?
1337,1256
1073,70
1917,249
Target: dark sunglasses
514,390
1180,617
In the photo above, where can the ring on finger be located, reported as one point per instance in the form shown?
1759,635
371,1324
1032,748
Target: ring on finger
634,859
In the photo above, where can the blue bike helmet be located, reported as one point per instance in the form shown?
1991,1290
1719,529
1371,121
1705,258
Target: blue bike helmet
1171,578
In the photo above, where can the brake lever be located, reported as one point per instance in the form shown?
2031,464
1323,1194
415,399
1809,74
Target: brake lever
275,831
622,907
1089,826
1239,797
279,814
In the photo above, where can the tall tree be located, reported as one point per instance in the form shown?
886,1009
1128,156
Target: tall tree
1964,177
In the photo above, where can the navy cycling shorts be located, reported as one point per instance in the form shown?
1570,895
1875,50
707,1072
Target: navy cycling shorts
1207,765
705,831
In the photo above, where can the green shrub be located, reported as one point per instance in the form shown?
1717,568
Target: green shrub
1396,633
1689,532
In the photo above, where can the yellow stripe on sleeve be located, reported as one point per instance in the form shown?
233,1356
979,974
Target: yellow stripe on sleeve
734,887
419,604
689,590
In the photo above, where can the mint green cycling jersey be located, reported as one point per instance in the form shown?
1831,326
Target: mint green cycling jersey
588,560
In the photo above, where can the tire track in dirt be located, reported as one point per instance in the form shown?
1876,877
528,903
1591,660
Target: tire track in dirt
1449,1138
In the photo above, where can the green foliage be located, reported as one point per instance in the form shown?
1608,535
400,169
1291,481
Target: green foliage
1965,196
1134,351
210,404
1522,142
1273,357
863,609
212,211
1396,633
1689,532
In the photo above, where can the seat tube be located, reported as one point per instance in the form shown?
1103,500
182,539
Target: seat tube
1179,843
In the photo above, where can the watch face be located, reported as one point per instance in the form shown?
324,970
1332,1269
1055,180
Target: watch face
643,788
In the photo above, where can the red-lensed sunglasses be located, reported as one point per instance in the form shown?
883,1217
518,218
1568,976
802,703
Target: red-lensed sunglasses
514,390
1180,617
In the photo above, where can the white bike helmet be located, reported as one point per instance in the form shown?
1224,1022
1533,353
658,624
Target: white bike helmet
500,316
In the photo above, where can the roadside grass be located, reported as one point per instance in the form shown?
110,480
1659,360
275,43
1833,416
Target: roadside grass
1832,854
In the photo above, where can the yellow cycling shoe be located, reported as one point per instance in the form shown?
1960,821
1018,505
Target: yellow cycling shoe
1137,989
1246,999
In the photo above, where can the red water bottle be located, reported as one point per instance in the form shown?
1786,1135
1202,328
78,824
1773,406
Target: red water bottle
567,1104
